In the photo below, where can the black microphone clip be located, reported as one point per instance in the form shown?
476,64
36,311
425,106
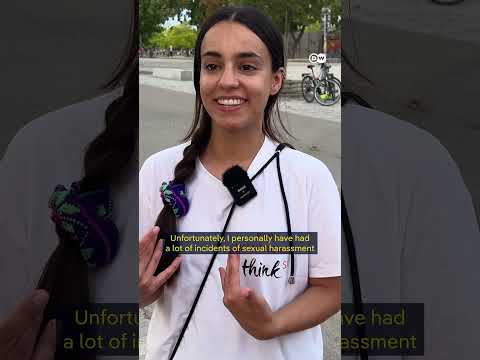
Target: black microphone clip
239,185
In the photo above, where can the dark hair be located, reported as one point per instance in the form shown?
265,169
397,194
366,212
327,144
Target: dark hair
199,132
65,275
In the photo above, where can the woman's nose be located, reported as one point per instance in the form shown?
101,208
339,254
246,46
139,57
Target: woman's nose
228,78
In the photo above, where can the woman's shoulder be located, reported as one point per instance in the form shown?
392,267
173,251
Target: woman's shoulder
54,142
163,161
83,117
301,163
68,129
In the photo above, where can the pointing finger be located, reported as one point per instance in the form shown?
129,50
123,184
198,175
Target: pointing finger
233,279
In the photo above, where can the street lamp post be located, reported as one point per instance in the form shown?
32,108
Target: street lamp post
286,33
326,17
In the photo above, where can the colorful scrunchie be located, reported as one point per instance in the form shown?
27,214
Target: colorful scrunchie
87,218
175,195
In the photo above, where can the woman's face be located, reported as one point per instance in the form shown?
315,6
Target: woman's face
236,76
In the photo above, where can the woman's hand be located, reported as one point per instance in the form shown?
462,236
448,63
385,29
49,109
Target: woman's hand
150,286
251,310
19,332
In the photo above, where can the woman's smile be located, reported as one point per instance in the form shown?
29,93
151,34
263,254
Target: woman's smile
230,103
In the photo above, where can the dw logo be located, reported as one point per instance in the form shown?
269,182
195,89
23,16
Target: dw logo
317,58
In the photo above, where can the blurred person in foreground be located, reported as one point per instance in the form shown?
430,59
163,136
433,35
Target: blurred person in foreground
68,182
416,236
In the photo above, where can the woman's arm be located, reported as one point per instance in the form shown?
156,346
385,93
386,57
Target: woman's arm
319,301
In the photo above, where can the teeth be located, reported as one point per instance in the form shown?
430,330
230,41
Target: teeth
230,102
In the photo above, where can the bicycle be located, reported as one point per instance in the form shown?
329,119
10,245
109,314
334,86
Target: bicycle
325,89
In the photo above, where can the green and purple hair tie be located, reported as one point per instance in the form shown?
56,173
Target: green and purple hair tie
175,195
87,218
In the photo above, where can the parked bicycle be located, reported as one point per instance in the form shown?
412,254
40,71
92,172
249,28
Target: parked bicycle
325,89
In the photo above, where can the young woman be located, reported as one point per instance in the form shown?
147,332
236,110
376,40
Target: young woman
239,68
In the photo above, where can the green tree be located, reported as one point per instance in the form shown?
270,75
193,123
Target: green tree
201,9
183,36
316,26
289,16
158,40
294,16
153,13
180,37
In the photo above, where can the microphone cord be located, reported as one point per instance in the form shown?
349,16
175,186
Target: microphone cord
202,285
291,278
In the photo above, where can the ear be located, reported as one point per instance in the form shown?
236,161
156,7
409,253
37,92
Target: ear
277,81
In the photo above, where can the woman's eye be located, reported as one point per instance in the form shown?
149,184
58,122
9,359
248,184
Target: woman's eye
247,67
211,67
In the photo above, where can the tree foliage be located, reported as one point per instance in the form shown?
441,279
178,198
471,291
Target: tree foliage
316,26
152,13
297,14
180,37
289,16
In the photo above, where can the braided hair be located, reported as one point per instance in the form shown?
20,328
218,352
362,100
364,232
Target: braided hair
65,275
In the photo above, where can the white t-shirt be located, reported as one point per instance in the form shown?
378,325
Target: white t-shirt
213,333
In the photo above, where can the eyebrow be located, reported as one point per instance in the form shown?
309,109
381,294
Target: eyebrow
241,55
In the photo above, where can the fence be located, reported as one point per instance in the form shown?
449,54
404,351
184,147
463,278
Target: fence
313,42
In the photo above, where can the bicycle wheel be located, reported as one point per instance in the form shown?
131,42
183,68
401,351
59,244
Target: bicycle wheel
328,91
308,87
337,80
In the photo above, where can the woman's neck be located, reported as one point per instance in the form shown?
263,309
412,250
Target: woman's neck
226,149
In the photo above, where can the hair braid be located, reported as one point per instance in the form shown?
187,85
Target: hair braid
65,275
184,170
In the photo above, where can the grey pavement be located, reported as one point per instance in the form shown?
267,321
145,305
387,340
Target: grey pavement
165,116
288,105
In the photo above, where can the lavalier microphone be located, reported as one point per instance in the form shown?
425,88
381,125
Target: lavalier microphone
239,185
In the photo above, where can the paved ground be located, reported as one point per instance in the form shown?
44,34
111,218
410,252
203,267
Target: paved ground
165,116
294,72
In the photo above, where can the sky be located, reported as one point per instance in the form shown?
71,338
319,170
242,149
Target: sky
173,21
